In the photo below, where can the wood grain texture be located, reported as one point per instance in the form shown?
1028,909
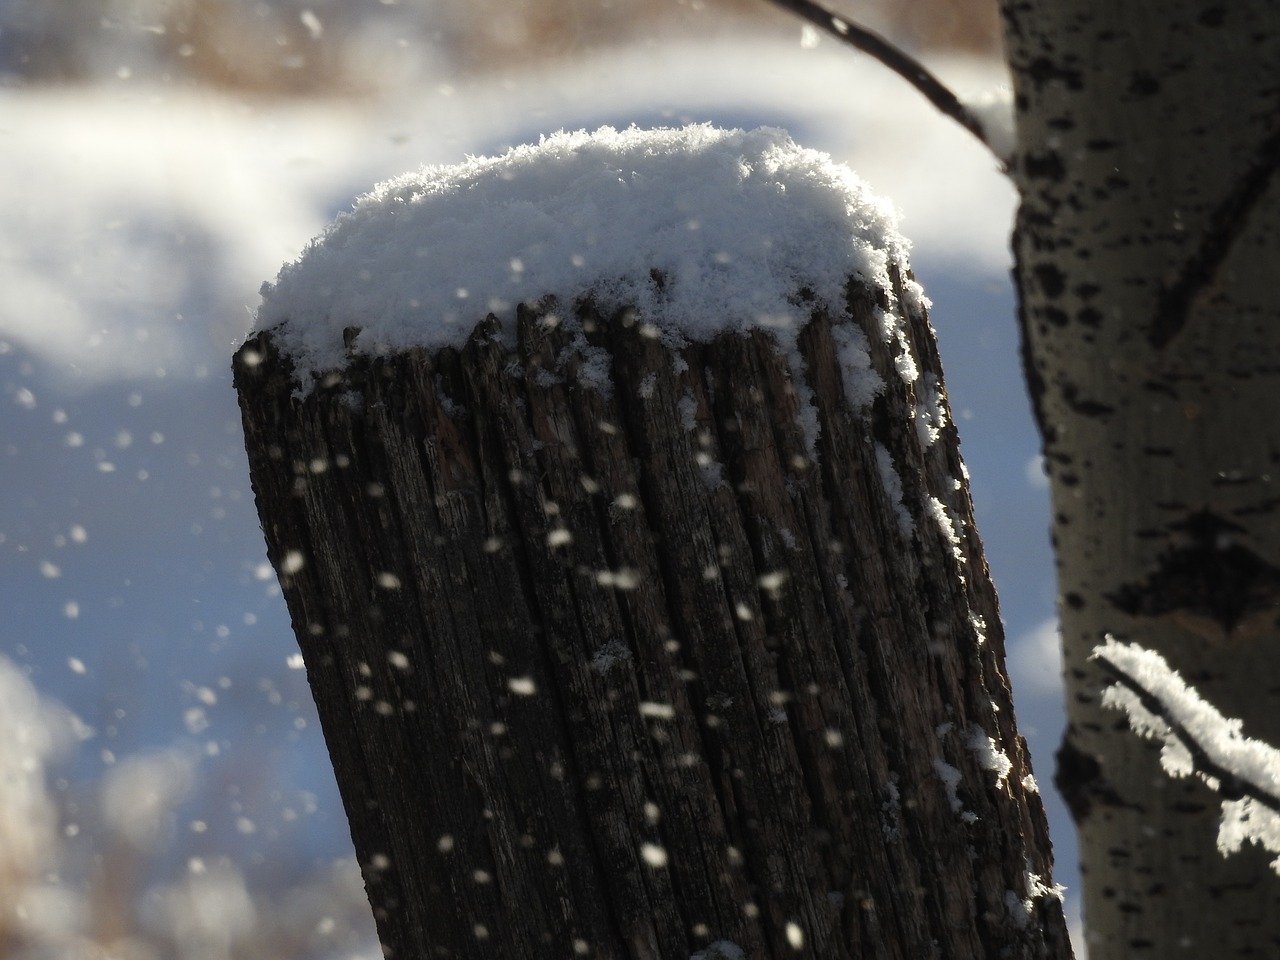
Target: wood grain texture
620,672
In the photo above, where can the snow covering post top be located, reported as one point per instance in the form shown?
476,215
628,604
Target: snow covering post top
736,224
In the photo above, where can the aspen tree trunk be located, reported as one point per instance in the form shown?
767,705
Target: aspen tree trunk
1147,246
662,668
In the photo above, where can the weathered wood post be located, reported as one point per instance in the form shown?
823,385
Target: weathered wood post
642,627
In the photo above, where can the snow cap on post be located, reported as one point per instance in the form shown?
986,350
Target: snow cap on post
736,224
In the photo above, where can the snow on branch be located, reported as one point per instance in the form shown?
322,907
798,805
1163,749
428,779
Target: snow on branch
907,67
1198,740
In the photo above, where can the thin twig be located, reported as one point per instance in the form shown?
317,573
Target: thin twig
901,63
1231,786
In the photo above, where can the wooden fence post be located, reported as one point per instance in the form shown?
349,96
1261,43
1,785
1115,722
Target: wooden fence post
649,651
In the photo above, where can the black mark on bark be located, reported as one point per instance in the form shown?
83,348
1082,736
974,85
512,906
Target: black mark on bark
1042,70
1086,408
1044,166
1206,576
1200,273
1051,280
1143,84
1079,778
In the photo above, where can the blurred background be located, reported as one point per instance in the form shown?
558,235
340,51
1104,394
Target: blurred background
327,48
164,786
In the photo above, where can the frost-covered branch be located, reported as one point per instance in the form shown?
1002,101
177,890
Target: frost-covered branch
901,63
1198,740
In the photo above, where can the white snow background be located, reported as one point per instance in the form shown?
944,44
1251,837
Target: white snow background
137,224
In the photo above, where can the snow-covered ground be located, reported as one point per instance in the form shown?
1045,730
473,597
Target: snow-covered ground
136,226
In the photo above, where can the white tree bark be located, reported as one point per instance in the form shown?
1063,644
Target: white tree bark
1147,248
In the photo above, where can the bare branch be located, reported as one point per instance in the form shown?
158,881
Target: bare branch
901,63
1231,786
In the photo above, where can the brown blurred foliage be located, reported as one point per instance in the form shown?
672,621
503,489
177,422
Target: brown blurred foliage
493,32
328,47
253,47
287,49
